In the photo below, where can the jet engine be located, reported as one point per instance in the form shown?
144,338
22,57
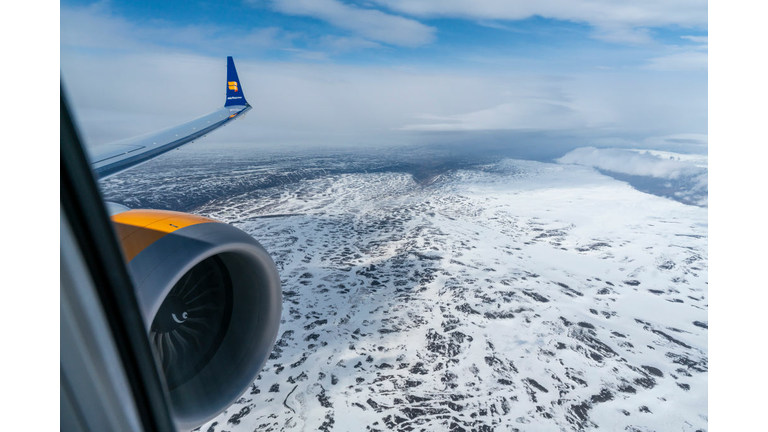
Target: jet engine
211,299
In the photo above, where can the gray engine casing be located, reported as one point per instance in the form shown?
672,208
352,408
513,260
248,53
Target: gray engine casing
255,313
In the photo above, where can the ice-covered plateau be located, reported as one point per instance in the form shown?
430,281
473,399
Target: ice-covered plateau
514,295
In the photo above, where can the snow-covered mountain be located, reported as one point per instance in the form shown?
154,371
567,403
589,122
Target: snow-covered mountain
512,295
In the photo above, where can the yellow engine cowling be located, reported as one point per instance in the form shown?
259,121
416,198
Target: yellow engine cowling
211,300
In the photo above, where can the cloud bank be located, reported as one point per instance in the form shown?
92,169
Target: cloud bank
629,162
682,176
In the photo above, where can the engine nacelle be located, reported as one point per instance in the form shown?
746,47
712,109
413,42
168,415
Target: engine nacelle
211,300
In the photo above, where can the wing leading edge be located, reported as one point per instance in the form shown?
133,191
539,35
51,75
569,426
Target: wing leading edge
112,158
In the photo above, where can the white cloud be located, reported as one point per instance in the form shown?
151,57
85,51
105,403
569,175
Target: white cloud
325,103
681,176
369,23
520,115
685,61
684,58
614,104
134,83
615,20
308,54
337,44
497,25
699,141
326,46
623,34
96,27
631,162
697,39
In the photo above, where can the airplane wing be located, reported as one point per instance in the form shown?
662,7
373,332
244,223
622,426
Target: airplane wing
112,158
167,318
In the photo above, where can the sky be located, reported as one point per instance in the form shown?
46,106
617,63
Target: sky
319,73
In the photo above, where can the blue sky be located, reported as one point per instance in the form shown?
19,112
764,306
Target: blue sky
618,73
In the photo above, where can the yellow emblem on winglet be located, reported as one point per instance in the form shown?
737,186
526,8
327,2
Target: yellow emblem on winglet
232,85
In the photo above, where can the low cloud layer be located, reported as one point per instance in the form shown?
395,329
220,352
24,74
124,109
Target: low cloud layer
313,104
523,114
685,177
630,162
617,105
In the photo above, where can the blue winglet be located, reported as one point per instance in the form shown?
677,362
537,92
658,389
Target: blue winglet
235,94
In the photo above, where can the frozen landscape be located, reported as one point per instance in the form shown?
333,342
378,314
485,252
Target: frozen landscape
460,294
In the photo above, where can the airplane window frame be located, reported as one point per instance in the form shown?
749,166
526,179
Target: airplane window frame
87,217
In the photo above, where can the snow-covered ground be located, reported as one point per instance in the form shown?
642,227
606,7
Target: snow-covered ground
514,296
